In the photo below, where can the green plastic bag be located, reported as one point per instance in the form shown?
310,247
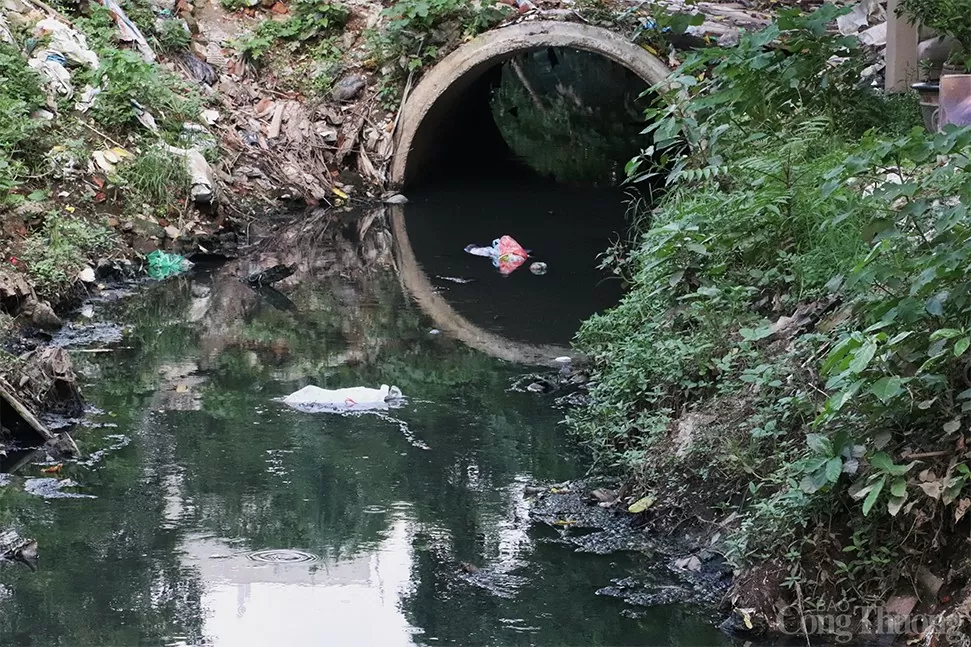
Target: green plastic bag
162,265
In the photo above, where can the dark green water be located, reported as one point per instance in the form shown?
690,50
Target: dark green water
201,466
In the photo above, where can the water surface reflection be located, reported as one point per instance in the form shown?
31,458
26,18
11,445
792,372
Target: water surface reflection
397,544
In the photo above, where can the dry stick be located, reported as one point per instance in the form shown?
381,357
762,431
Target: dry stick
926,455
518,69
405,93
25,413
802,613
101,134
52,12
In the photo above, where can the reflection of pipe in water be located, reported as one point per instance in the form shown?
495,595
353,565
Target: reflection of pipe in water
447,319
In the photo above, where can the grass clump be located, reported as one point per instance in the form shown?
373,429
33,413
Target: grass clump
154,176
802,286
130,82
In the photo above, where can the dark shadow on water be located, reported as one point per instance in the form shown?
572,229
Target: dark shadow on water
566,228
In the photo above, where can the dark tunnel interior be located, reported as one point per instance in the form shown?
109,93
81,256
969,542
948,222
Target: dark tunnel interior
540,102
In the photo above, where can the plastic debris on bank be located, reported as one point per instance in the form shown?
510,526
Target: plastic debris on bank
162,265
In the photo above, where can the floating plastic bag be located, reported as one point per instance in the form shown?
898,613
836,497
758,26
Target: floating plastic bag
357,398
506,254
162,265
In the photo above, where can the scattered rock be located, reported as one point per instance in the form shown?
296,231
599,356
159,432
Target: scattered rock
689,563
348,87
395,198
602,496
688,427
86,275
538,387
42,315
14,291
271,275
15,547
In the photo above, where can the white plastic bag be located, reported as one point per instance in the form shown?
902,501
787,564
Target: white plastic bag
56,77
67,42
358,398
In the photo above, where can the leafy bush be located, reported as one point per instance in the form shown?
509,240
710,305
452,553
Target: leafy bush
417,29
808,286
308,20
947,17
172,35
126,77
61,248
20,95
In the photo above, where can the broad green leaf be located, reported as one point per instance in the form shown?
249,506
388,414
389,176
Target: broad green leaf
819,444
862,356
898,487
887,388
838,353
813,464
755,334
945,333
961,346
813,482
874,494
881,461
834,467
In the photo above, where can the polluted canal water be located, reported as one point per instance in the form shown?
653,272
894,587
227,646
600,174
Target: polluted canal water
207,512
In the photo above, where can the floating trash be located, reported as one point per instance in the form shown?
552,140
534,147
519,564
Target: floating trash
374,509
51,488
282,556
162,265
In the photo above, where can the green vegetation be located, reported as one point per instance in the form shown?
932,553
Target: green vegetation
60,248
20,95
416,31
41,158
308,20
302,49
156,176
948,18
804,284
129,80
172,35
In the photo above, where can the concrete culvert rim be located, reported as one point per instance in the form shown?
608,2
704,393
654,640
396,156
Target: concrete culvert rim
447,80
